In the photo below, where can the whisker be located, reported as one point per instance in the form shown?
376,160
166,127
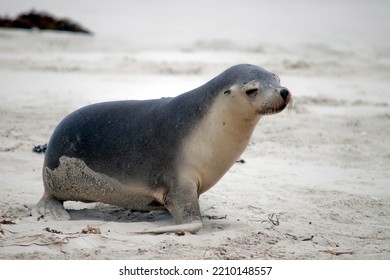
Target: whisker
290,106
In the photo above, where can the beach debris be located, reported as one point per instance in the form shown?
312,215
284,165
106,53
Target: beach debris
215,217
40,149
40,217
42,21
6,222
291,236
337,253
91,230
240,161
274,219
52,230
308,239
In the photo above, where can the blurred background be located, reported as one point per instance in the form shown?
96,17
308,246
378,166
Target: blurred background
173,23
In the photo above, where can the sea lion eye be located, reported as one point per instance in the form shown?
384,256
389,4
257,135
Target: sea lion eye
252,92
251,88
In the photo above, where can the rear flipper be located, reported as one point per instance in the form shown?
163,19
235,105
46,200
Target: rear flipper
49,205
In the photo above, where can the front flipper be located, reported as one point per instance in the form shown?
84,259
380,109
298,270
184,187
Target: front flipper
183,204
49,205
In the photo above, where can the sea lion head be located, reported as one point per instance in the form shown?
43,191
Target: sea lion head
258,88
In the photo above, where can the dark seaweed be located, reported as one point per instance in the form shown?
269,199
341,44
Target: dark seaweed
42,21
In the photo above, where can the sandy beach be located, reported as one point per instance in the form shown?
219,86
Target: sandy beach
315,181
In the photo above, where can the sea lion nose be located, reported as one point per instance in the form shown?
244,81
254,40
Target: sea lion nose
284,93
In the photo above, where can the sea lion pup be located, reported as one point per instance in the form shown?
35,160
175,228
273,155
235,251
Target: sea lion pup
155,154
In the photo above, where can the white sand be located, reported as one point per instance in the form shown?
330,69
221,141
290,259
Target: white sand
321,170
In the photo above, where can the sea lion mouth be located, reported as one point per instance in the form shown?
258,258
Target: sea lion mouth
272,110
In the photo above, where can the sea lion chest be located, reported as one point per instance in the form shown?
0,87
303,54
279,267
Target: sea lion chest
216,142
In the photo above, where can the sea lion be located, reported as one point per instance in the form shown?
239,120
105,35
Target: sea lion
162,153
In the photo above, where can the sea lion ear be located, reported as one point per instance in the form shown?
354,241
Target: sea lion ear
251,88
